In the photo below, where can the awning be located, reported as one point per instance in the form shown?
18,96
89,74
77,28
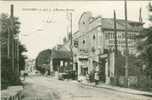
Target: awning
83,58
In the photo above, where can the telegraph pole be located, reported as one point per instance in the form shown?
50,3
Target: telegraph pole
14,45
116,51
71,32
12,37
0,49
126,45
73,66
71,36
115,33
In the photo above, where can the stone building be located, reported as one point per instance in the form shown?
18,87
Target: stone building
95,36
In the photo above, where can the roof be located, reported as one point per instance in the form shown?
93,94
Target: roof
108,23
57,54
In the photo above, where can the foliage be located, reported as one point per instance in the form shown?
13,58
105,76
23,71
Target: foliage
9,30
91,76
22,57
134,67
42,60
145,46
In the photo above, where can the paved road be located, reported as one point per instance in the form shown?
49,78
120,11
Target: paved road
42,88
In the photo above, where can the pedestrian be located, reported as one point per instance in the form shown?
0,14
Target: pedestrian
87,77
24,75
96,77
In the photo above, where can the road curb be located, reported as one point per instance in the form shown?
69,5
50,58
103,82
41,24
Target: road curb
124,91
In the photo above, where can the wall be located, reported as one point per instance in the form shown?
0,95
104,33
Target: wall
109,40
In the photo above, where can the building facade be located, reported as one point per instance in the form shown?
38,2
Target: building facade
30,65
94,38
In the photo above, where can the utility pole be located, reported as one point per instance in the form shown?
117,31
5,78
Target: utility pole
71,32
116,51
73,66
12,39
115,33
71,36
0,48
126,44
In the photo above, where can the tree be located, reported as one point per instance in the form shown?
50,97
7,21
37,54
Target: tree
22,57
43,60
9,30
145,46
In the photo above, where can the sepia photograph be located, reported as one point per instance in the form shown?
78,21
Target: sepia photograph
76,50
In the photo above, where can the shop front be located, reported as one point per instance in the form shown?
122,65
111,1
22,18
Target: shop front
82,67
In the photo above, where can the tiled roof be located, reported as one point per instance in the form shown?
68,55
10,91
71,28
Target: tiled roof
57,54
108,23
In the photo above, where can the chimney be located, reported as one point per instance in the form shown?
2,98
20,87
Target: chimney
12,10
140,15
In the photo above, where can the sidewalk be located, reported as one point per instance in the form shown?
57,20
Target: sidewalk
110,87
120,89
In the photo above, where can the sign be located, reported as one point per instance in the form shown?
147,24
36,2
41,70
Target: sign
75,44
83,57
83,52
104,56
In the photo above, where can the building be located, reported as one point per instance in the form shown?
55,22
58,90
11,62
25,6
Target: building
60,61
30,65
94,38
55,59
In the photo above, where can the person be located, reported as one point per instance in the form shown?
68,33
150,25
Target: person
96,77
87,77
24,75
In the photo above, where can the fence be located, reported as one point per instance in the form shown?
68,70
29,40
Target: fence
136,81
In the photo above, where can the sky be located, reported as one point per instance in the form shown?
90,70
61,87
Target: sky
45,23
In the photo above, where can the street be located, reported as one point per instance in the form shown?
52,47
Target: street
46,88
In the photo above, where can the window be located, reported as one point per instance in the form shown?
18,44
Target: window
110,35
123,35
94,37
83,41
113,35
119,36
76,44
83,22
107,36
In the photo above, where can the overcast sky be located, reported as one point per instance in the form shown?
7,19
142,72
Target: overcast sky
44,26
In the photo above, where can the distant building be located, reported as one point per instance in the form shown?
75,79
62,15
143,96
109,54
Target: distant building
30,65
60,60
96,35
